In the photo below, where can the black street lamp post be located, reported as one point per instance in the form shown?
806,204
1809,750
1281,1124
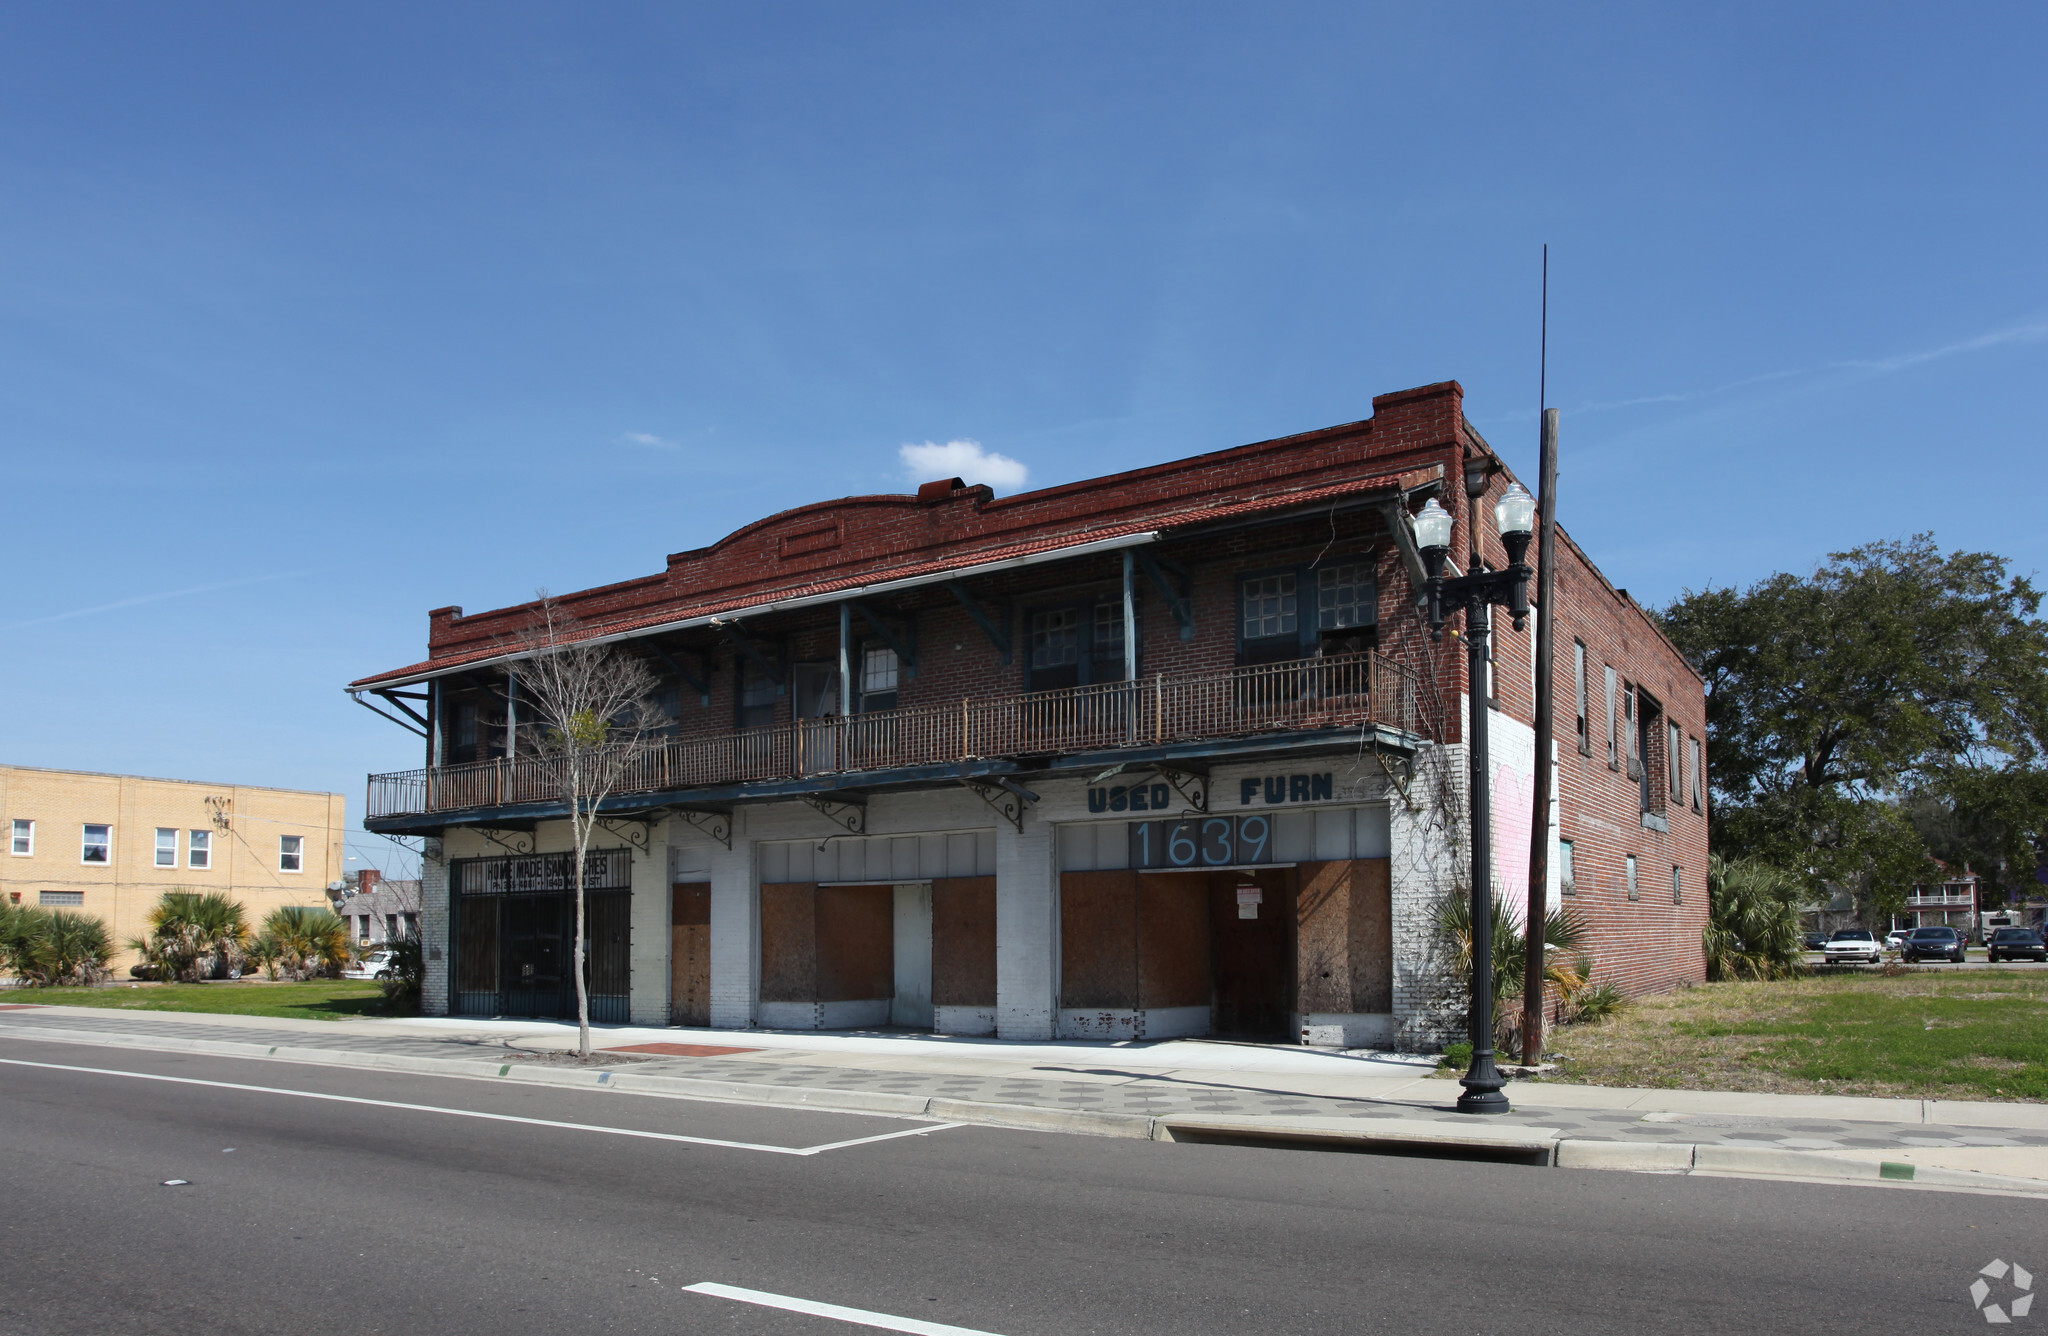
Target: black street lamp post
1475,595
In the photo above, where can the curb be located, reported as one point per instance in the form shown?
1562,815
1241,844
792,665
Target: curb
1538,1144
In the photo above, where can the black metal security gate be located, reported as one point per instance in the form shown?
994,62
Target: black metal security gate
515,934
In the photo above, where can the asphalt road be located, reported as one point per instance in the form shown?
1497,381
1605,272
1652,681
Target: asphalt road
306,1215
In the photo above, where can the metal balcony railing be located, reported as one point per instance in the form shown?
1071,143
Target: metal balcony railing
1335,692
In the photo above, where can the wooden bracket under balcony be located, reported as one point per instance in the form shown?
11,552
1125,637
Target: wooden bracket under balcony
851,815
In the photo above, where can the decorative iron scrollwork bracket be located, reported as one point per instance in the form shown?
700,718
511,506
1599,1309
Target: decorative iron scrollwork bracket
1191,785
626,827
511,841
1006,796
718,825
850,816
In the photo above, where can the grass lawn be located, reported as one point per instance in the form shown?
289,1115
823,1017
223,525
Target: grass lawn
1925,1034
320,1000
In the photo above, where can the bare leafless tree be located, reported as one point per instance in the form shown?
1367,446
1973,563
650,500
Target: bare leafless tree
595,707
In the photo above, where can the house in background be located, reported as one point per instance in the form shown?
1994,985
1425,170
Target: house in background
379,910
1167,752
111,845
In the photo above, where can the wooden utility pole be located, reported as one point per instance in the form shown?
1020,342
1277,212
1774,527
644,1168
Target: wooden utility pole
1539,828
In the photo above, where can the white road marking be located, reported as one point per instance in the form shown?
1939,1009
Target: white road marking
491,1117
815,1309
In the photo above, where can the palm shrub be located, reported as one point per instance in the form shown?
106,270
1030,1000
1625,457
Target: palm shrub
306,941
193,935
408,971
1565,967
1752,927
53,948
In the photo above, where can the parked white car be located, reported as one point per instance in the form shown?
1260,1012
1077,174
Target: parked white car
376,965
1852,944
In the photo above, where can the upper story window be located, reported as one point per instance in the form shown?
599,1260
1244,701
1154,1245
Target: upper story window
880,672
1635,890
199,848
96,844
1269,619
757,696
1074,646
1648,742
1567,868
1346,596
24,838
1613,689
1698,777
166,846
1674,761
291,853
1579,693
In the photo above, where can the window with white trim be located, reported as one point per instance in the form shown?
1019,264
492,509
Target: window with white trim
24,838
880,672
199,848
96,844
166,846
1579,683
1698,776
291,853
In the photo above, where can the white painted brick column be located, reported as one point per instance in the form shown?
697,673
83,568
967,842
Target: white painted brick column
735,932
434,935
1027,930
650,937
1428,844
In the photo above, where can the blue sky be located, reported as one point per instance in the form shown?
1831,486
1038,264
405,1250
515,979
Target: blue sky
313,318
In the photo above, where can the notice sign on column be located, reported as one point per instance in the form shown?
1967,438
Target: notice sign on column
1199,842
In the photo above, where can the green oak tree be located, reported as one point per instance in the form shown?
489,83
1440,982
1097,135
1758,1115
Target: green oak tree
1889,707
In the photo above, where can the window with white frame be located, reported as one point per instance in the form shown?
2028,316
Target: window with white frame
291,853
1635,891
1693,745
1567,868
880,672
1579,682
199,848
1613,722
96,844
166,846
24,838
1269,607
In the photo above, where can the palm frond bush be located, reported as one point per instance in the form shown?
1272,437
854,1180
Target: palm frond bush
1566,967
306,941
52,948
1752,927
194,935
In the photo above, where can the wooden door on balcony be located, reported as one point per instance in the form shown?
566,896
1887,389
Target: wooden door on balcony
689,992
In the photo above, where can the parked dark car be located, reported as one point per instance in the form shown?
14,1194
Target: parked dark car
1814,941
1922,943
2016,944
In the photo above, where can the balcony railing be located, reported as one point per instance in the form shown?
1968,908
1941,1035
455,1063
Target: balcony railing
1937,899
1335,692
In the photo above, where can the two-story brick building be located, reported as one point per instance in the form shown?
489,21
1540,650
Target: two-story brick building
1167,752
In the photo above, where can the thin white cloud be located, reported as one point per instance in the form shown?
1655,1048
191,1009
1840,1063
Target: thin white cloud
648,439
140,599
962,459
2018,334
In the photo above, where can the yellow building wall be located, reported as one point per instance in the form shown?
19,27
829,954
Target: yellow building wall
245,822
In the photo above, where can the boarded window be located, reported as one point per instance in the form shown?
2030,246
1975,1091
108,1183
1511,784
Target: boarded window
1579,693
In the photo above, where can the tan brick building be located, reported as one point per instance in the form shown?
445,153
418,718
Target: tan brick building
111,845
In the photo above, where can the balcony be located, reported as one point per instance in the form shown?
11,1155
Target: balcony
1310,695
1939,900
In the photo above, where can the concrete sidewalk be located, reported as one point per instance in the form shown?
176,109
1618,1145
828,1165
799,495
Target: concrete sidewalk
1168,1090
